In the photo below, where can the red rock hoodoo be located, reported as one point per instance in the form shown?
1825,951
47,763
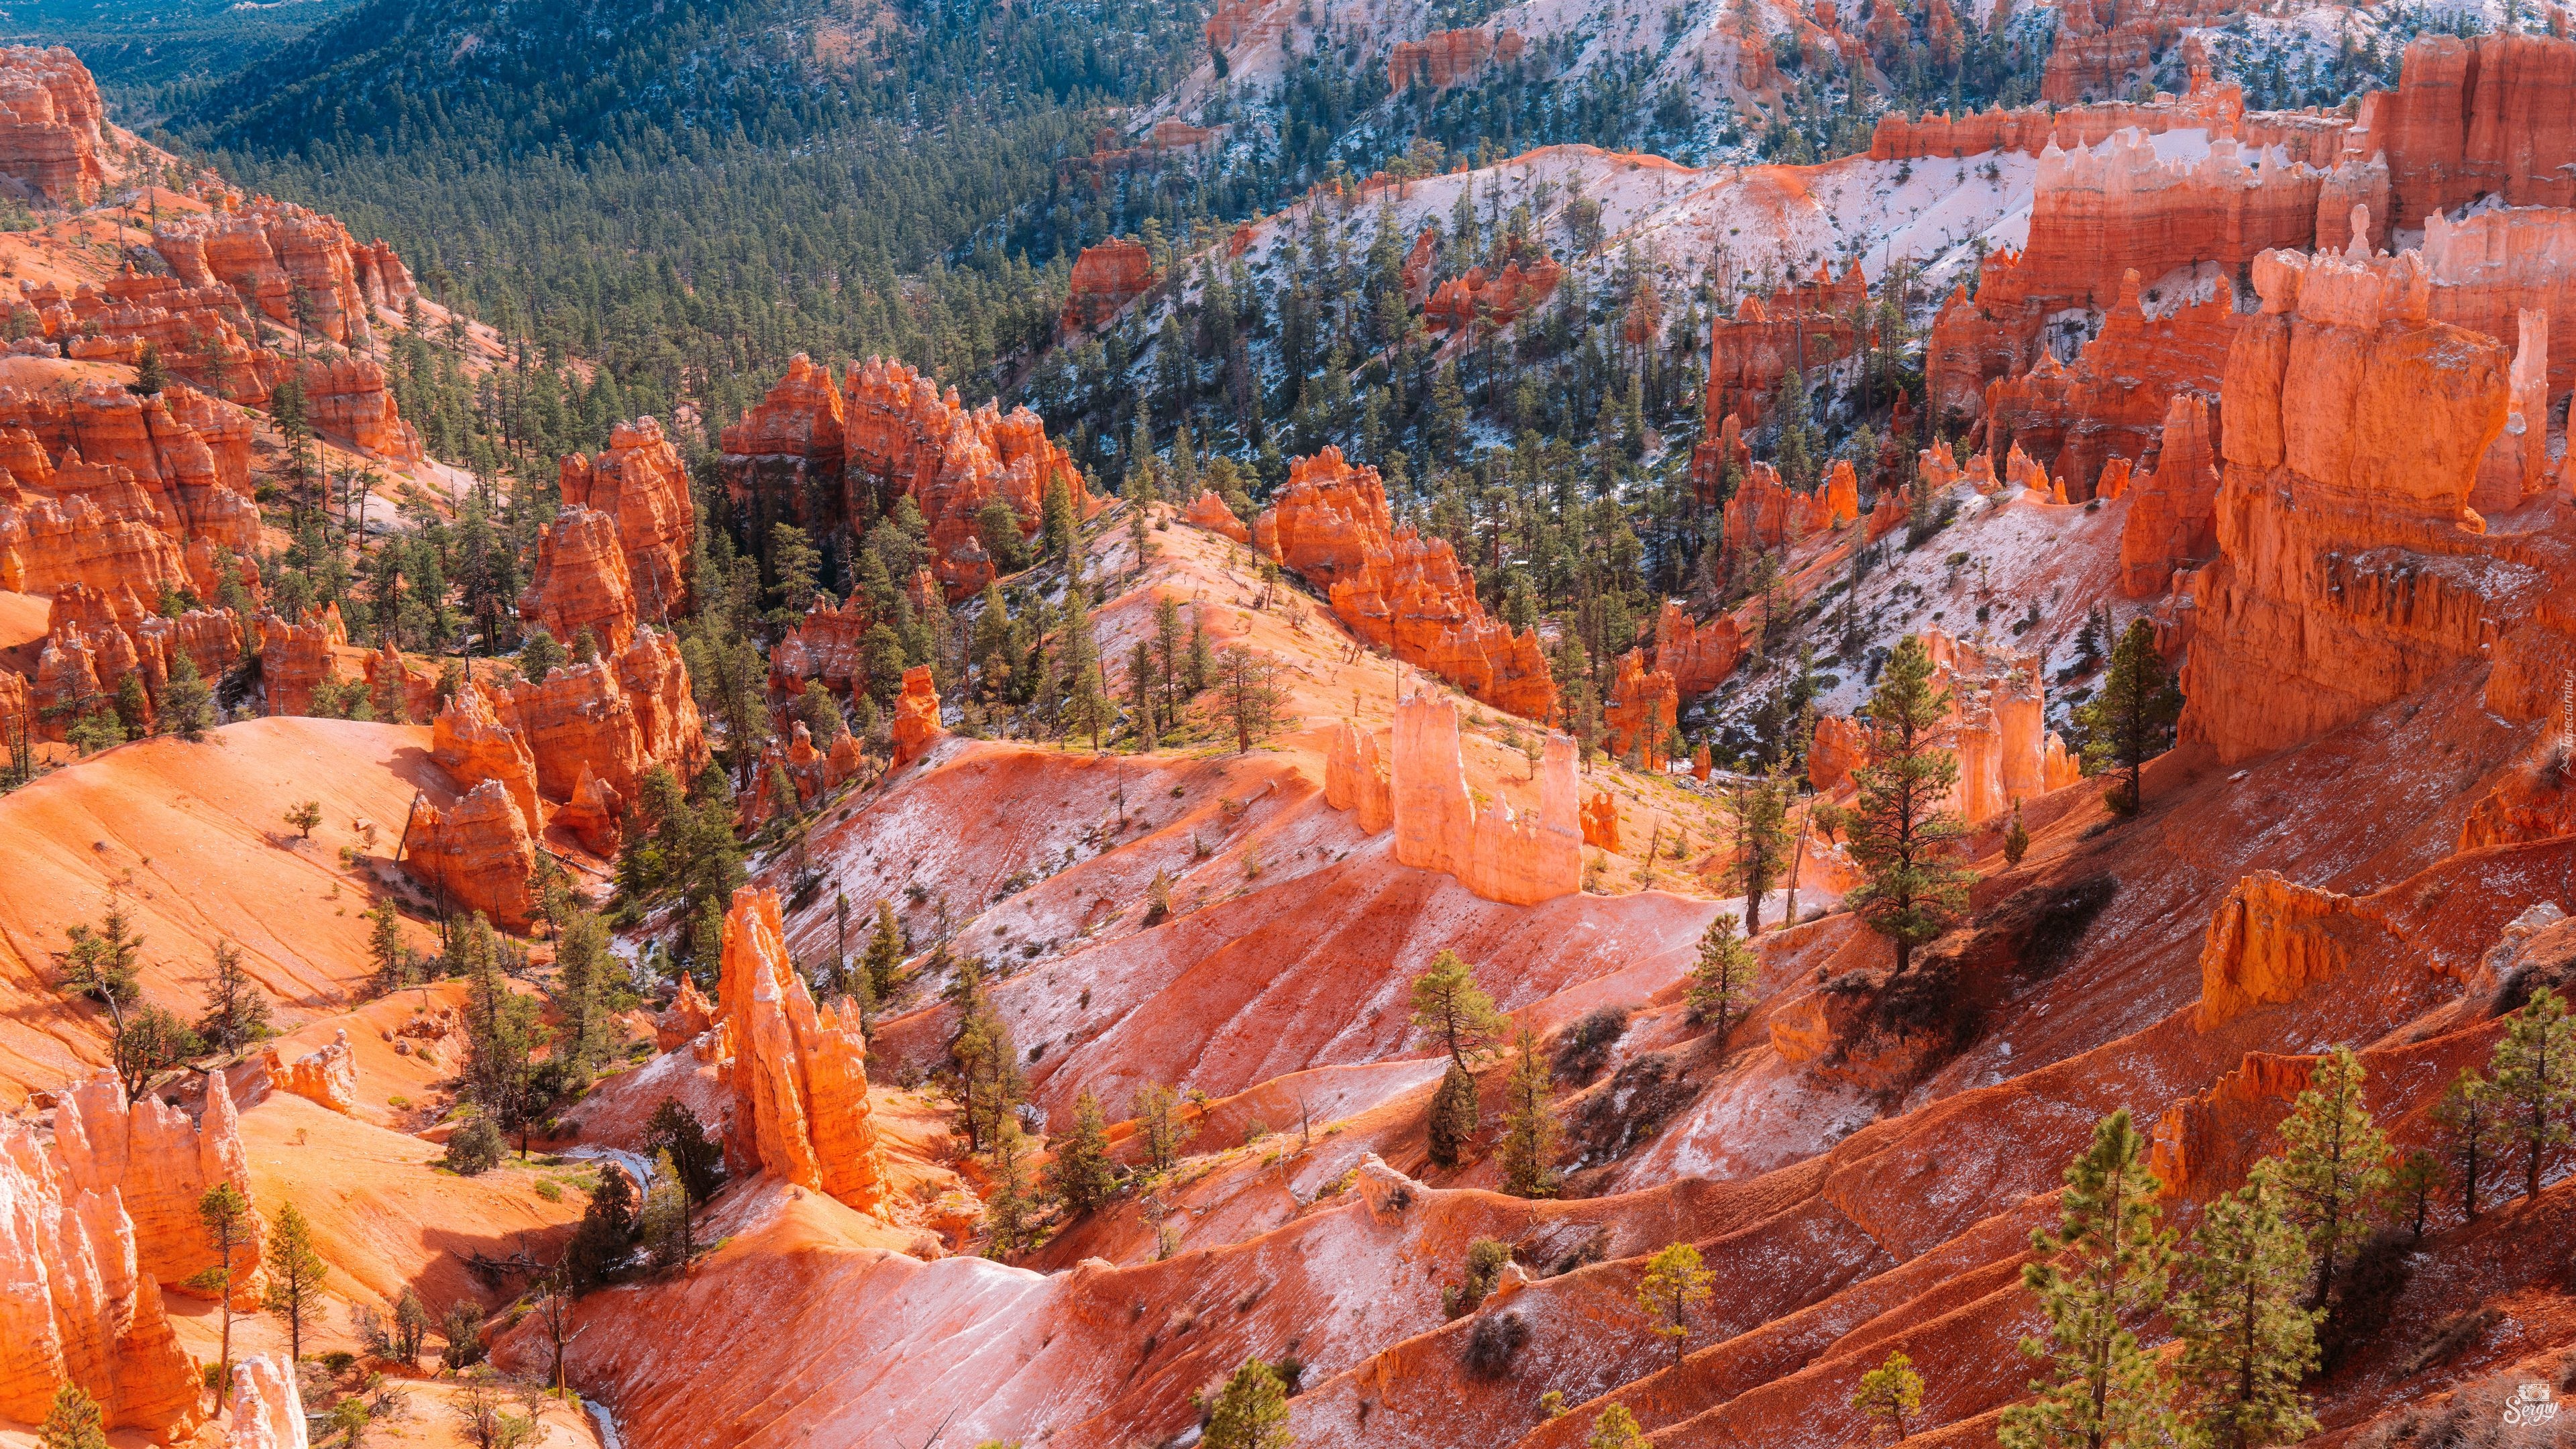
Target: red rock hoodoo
641,482
1105,279
49,124
799,1073
1422,795
1397,590
1446,57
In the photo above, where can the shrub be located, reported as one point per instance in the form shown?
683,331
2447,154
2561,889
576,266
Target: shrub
1493,1342
1583,1048
476,1147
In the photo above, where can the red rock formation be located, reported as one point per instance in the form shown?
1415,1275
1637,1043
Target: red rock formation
1105,279
2536,800
476,854
266,1408
580,581
2112,400
1418,262
296,659
2515,466
2272,939
1420,792
1446,57
2475,116
347,398
404,691
685,1019
2101,44
83,524
593,814
2350,569
276,256
1601,822
1644,706
641,483
1498,300
472,745
188,453
916,717
1396,589
1209,512
1766,515
2095,216
816,458
157,1161
1809,324
614,719
2172,511
1840,746
2315,139
80,1309
1698,656
49,125
799,1074
828,644
328,1076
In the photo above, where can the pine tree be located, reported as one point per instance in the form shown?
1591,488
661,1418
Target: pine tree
2016,838
2333,1165
1722,982
1890,1395
606,1234
1530,1129
2103,1269
1159,1126
2463,1114
989,1082
1616,1428
1674,1284
1082,1174
2247,1339
2412,1185
1006,1206
583,965
150,375
236,1009
1759,811
2128,721
1251,1412
74,1421
697,1158
187,705
1901,837
2529,1080
385,948
664,1222
294,1272
1450,1011
885,952
1451,1126
225,1214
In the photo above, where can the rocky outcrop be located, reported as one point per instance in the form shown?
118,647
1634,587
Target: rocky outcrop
85,524
2213,108
2102,44
470,742
2112,401
916,717
1397,590
348,398
2172,510
1105,279
188,453
1840,746
1996,727
1644,706
829,644
580,581
476,854
685,1019
1601,822
2515,467
157,1161
1808,324
819,458
799,1073
295,659
607,722
640,482
1209,512
328,1076
1699,656
1498,299
1766,515
594,814
49,124
2535,800
79,1307
1422,795
1445,57
2351,570
87,653
2475,116
279,258
2095,216
2272,938
267,1410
